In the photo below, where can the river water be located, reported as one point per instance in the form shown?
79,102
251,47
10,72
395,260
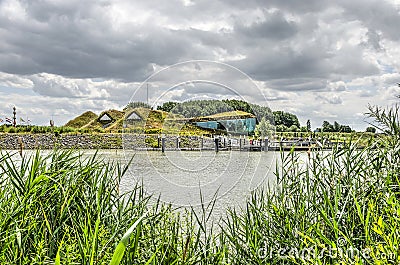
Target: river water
186,178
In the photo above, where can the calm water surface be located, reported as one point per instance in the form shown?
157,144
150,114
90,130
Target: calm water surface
184,177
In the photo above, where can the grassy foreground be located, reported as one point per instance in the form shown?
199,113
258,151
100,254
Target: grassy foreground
341,207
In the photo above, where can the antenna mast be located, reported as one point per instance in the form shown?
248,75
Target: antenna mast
147,93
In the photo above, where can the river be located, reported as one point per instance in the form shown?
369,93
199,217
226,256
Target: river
186,178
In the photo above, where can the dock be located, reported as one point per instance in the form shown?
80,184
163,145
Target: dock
241,144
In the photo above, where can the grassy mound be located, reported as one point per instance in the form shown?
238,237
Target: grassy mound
95,124
82,120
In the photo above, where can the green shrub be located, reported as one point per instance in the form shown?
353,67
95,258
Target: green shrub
153,131
152,142
99,130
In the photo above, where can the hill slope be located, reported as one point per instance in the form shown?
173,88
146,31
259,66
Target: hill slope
82,120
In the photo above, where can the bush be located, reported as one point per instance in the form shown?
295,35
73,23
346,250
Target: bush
370,129
153,131
98,130
34,129
150,141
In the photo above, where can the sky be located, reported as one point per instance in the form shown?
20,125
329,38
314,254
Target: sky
321,60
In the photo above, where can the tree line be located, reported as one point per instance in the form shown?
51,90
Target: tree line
335,127
195,108
279,121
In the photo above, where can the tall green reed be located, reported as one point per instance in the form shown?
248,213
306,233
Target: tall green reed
66,209
340,206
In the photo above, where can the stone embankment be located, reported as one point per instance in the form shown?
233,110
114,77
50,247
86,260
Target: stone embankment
101,141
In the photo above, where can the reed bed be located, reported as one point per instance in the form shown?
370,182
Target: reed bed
338,207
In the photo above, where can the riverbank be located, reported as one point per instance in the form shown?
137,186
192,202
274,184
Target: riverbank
101,141
154,142
50,141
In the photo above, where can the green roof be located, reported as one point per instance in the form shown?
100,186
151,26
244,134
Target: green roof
230,115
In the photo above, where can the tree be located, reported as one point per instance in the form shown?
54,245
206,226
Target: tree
281,128
286,118
137,104
336,126
370,129
308,126
238,105
327,127
167,106
262,111
345,128
294,128
264,128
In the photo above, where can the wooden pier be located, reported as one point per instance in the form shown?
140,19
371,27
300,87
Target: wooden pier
243,144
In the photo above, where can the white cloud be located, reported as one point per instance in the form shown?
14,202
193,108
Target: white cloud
330,98
15,81
323,59
58,86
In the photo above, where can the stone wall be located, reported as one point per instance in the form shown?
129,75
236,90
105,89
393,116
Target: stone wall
100,141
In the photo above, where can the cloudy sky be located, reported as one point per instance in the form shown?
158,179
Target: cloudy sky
322,60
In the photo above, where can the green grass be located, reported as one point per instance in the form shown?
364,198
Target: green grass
62,208
82,120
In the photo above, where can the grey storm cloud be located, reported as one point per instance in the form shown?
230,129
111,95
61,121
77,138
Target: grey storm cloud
294,6
75,40
376,15
60,49
78,39
274,27
298,84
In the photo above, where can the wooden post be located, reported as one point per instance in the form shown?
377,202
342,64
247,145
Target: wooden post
240,143
163,144
21,145
216,140
266,144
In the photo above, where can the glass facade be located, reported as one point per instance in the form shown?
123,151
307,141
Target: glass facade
247,125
